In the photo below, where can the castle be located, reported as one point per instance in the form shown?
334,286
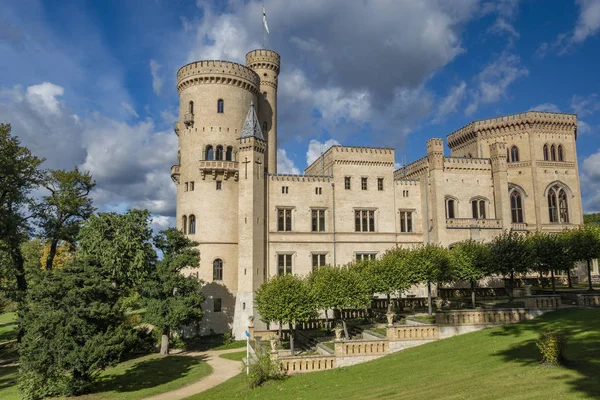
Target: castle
517,172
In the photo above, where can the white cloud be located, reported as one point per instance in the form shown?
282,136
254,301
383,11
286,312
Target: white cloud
494,80
546,107
588,23
157,80
585,105
284,164
129,108
161,222
506,11
449,104
590,179
316,148
45,96
583,127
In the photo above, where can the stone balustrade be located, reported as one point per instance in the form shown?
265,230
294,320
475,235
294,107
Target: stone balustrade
482,317
350,348
588,300
351,314
315,324
213,167
268,335
468,223
413,332
299,364
541,302
403,302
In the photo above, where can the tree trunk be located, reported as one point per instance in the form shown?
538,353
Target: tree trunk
51,254
164,342
429,297
326,318
510,285
280,332
389,306
569,279
292,340
473,293
541,279
553,283
589,266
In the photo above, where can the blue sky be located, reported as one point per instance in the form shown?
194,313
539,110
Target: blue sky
92,83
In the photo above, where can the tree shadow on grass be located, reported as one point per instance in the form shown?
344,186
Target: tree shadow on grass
147,374
583,349
8,376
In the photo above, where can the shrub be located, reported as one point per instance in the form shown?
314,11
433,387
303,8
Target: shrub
263,369
227,338
552,345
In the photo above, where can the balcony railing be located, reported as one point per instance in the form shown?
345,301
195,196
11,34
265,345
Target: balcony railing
519,226
468,223
214,167
188,119
175,173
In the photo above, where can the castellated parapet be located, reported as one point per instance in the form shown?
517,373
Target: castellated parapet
217,72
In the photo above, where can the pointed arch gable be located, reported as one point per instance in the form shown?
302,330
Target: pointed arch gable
560,185
514,186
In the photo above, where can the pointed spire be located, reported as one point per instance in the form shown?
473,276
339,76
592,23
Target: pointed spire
251,125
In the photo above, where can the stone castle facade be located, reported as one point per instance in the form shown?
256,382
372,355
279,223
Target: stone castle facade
517,172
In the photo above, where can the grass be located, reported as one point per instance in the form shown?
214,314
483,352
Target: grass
212,342
237,356
8,383
381,331
495,363
8,327
427,319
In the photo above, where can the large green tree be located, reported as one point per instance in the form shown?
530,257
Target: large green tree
551,253
171,299
470,261
64,208
73,330
285,299
391,275
19,175
510,254
431,263
584,244
121,243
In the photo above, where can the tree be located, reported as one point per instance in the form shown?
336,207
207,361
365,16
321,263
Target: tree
551,253
172,300
121,243
320,281
591,219
73,330
431,264
19,174
63,254
391,275
285,299
470,262
61,213
510,254
584,244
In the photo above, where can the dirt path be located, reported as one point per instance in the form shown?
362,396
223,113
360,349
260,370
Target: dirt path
223,369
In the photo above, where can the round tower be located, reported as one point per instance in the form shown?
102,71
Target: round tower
266,64
214,100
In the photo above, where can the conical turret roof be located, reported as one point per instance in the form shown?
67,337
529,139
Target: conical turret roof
251,125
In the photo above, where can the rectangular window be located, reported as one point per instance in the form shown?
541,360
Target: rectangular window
284,189
379,183
450,209
365,256
364,220
406,221
347,183
318,260
318,220
318,190
191,186
217,306
284,264
284,219
186,186
363,183
219,185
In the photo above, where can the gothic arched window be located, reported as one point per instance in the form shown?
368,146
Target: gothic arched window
478,208
229,153
210,154
546,152
220,106
219,153
561,153
553,153
514,154
218,270
184,224
451,210
563,207
516,207
558,207
192,229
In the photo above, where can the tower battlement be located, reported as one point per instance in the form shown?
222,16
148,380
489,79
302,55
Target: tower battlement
217,72
263,59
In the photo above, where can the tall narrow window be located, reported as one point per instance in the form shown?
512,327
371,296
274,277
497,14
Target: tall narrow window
563,208
514,154
516,207
552,206
363,183
219,185
406,221
379,183
191,107
450,208
191,186
546,152
284,220
184,224
265,127
265,95
192,229
553,153
219,153
561,153
284,264
318,220
217,305
209,154
229,153
220,106
478,208
364,220
347,183
218,270
318,260
186,186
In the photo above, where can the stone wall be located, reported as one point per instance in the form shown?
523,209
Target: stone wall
588,300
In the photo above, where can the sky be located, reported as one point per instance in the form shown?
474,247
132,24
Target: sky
93,83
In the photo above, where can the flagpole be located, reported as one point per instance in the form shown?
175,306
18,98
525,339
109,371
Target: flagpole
263,25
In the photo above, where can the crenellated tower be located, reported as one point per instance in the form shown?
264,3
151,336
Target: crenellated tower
500,183
266,64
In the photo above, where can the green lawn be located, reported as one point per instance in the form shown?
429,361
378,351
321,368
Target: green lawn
8,327
130,380
237,356
499,363
212,342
